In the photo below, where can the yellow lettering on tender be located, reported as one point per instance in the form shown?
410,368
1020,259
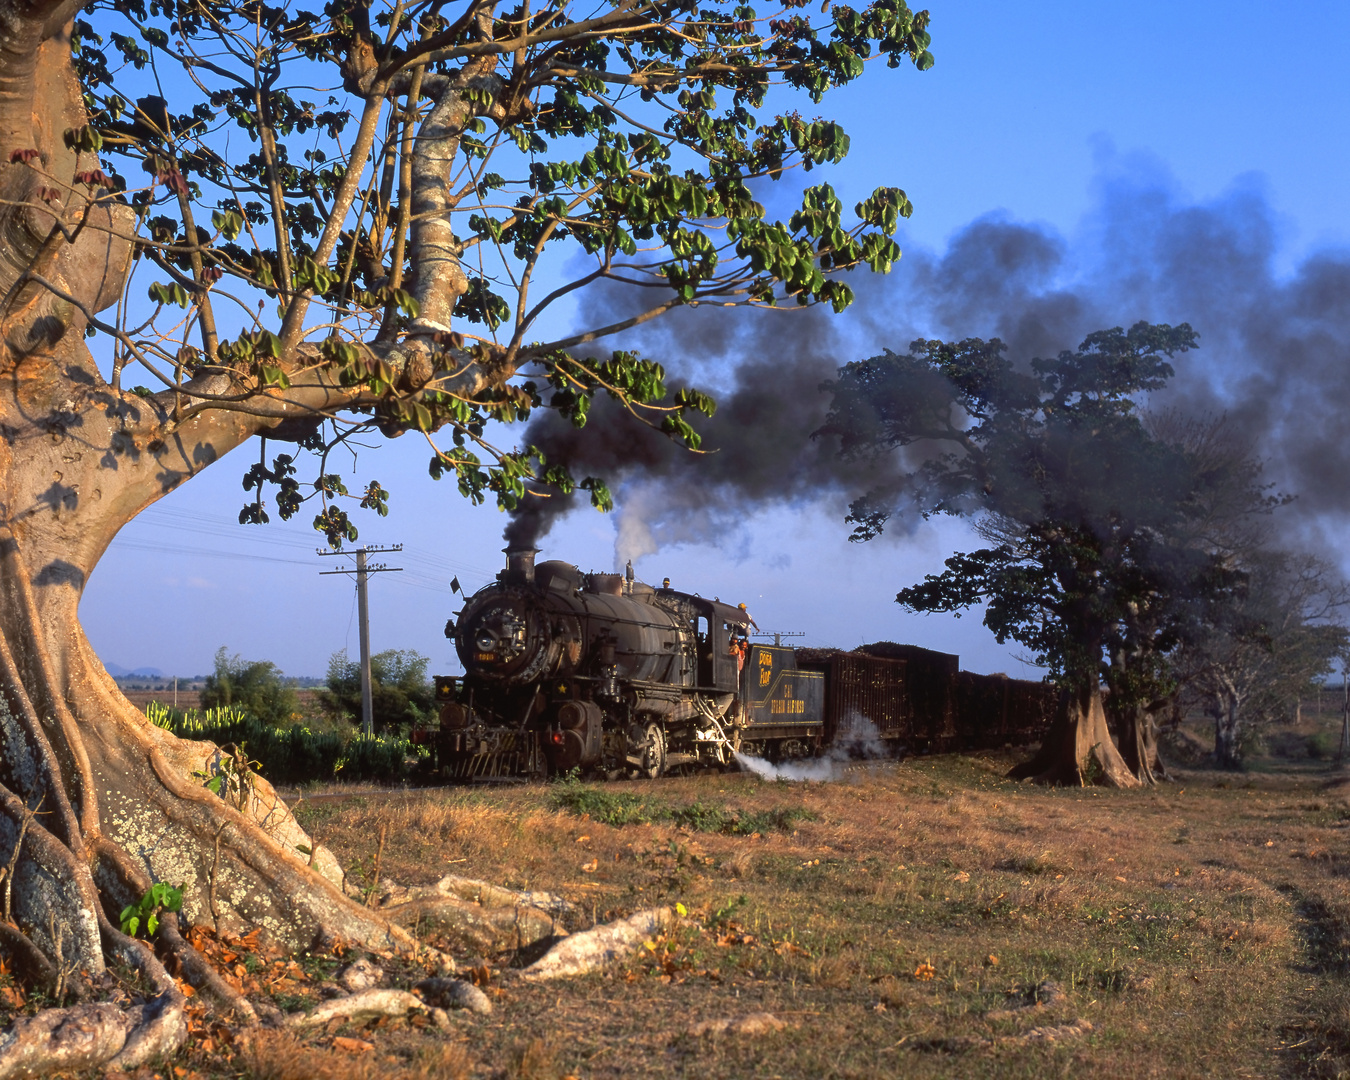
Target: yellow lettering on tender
765,659
764,677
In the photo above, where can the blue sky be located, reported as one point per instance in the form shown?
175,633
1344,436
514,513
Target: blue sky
1049,116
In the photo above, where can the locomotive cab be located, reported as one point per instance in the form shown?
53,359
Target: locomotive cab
719,631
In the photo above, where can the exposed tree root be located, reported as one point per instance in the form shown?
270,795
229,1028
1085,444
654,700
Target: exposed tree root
33,966
84,1037
454,994
478,916
494,896
99,1034
592,949
367,1005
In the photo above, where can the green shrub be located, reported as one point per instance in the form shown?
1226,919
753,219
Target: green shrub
1323,745
401,695
614,808
619,808
379,757
782,819
256,686
292,754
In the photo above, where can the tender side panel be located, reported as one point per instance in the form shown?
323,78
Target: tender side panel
781,702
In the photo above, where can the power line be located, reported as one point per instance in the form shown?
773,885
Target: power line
165,549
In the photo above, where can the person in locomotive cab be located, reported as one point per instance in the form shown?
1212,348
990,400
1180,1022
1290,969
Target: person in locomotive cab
738,644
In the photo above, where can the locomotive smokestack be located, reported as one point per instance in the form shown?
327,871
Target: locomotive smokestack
519,565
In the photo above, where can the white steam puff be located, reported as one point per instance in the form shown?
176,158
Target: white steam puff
857,740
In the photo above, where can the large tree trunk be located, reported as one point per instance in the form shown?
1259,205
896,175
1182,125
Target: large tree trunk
1138,732
96,804
1078,749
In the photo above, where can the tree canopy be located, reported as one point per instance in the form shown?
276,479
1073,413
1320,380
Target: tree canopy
1091,518
389,208
1054,462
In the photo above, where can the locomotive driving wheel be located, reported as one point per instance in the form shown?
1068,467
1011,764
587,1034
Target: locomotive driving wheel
647,748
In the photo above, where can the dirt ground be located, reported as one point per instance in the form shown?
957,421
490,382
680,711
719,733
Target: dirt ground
923,918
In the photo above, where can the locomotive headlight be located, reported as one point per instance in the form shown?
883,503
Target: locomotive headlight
486,641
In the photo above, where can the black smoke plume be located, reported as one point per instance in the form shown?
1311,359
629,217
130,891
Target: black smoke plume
1274,356
757,449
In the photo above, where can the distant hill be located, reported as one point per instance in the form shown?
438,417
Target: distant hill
117,671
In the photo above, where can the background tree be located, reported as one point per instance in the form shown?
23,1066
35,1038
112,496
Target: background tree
256,686
1194,567
1064,481
1263,645
400,692
313,223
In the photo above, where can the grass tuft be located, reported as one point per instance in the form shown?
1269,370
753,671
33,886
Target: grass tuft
617,809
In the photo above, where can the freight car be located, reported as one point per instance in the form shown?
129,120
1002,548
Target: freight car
607,675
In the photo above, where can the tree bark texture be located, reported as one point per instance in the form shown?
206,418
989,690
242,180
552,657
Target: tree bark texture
1227,712
1078,750
1138,733
96,804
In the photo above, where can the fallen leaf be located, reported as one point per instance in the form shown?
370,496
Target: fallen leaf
582,839
352,1046
925,972
590,867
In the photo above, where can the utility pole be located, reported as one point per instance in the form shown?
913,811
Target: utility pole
363,570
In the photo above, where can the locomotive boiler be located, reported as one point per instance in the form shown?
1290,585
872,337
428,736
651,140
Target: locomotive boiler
604,674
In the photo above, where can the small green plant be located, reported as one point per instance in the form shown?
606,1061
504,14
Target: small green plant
611,808
160,897
230,775
159,715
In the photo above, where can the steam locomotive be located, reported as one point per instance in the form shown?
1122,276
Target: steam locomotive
610,676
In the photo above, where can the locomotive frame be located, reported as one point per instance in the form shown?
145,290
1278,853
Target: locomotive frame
605,674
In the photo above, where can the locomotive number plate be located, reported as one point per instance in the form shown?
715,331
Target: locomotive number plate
486,656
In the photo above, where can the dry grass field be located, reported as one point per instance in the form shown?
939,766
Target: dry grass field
907,919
